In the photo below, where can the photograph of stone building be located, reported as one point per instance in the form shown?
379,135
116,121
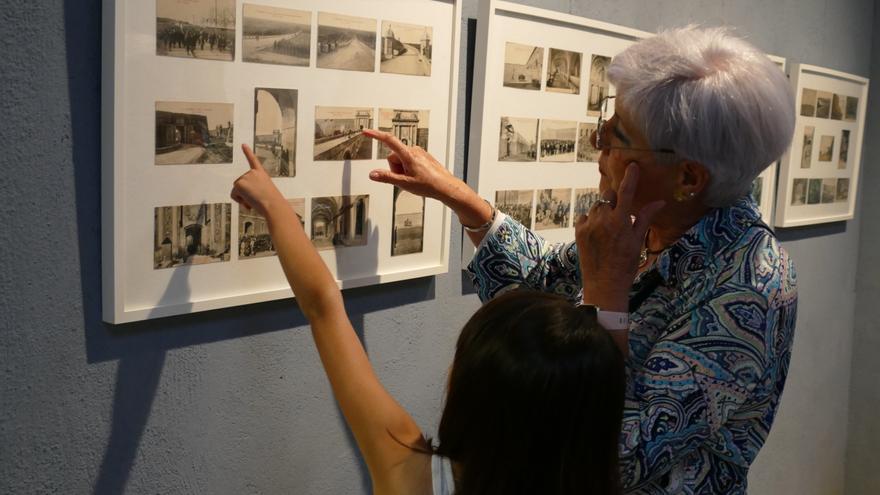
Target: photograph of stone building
338,133
523,66
558,140
275,130
518,141
196,29
516,204
409,126
585,150
276,36
564,71
408,232
191,234
406,49
553,209
599,84
254,240
346,42
340,221
193,133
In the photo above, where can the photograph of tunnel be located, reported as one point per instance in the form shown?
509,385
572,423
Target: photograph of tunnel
338,133
191,234
193,133
409,126
346,42
406,49
564,71
340,221
276,36
254,240
275,130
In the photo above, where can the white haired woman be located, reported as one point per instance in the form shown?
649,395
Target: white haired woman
692,284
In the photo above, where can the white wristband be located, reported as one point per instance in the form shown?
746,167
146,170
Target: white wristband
611,320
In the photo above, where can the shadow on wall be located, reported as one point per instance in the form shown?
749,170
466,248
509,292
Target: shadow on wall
140,348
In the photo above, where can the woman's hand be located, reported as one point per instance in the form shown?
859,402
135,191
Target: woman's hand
609,244
255,189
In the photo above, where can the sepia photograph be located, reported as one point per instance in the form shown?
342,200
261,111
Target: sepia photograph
516,205
553,209
523,66
808,102
564,71
272,35
842,190
844,150
814,192
584,200
823,104
275,130
557,140
799,192
518,141
807,152
585,150
826,148
409,126
599,84
406,49
852,109
338,133
340,221
346,42
837,106
202,29
829,190
254,239
758,190
193,133
408,235
191,234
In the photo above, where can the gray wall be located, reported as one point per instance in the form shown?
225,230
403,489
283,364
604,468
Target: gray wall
235,401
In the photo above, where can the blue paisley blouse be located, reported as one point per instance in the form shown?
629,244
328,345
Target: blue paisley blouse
712,323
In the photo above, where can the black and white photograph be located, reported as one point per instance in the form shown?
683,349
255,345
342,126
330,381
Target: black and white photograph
558,140
757,190
843,156
191,234
808,102
807,151
829,190
837,106
585,150
799,192
523,66
338,133
254,240
823,105
406,49
852,109
842,189
518,141
599,84
516,205
553,209
826,148
409,126
584,200
346,42
276,36
408,236
340,221
275,130
814,192
202,29
564,71
193,133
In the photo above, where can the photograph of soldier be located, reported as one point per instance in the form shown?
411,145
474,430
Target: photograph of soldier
829,190
517,205
852,109
584,199
254,240
844,150
557,140
275,130
523,66
807,151
518,141
276,36
585,150
842,189
409,126
196,29
553,209
340,221
808,102
346,42
823,104
408,234
837,106
406,49
826,148
757,190
338,133
564,72
191,234
799,192
599,84
814,192
193,133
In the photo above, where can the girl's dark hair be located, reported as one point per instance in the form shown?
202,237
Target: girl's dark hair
534,401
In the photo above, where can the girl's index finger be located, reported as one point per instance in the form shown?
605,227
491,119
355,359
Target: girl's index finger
253,161
391,141
627,190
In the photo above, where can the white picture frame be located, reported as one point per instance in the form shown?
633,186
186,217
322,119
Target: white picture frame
765,183
825,149
142,69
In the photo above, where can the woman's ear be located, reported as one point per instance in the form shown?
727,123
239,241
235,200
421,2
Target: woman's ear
693,178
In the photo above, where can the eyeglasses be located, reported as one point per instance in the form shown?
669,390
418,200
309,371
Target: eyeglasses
600,131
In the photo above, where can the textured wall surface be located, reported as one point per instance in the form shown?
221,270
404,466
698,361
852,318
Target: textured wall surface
235,401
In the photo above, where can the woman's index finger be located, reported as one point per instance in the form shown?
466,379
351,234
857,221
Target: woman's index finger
253,161
391,141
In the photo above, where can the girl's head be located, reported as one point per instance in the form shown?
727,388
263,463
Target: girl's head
535,400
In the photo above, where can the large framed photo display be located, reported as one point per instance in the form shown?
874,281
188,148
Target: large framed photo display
818,181
186,82
535,104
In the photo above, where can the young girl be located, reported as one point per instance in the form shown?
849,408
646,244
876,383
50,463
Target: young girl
535,393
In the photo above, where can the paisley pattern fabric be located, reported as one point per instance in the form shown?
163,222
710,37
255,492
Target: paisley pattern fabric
710,343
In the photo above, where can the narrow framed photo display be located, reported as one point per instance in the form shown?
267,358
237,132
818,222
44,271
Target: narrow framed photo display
818,180
764,186
187,82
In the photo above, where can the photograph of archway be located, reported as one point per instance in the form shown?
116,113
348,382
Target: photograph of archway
346,42
196,29
340,221
564,71
406,49
276,36
191,234
338,133
254,240
523,66
409,126
518,141
193,133
599,84
408,234
516,205
275,130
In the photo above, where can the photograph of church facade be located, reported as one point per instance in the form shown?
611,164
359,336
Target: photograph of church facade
409,126
406,49
254,240
191,234
518,141
338,133
522,66
340,221
193,133
275,130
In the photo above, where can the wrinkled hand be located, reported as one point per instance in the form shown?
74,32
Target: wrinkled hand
255,189
609,244
412,169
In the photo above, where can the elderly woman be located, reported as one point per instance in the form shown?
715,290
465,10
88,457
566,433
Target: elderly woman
692,284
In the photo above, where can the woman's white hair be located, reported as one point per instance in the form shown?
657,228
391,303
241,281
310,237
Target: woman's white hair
713,98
